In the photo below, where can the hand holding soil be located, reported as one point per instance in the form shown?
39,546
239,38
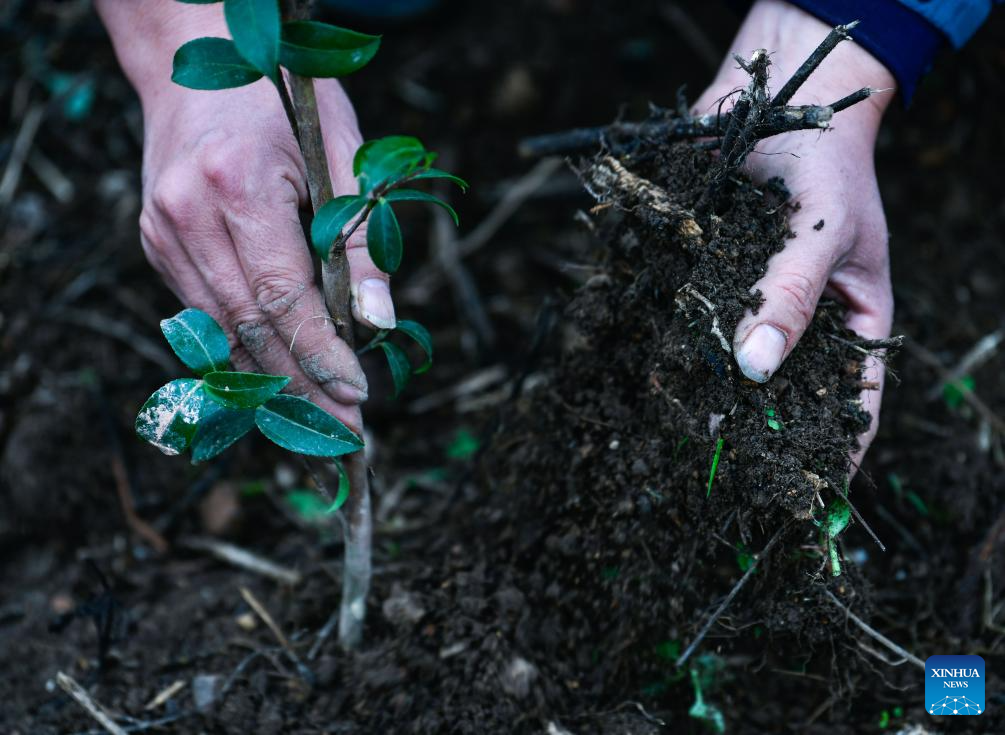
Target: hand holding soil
840,244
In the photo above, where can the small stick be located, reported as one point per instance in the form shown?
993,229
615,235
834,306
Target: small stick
242,558
971,398
19,153
860,519
983,350
81,697
326,630
836,36
266,618
729,598
429,278
120,331
165,695
875,634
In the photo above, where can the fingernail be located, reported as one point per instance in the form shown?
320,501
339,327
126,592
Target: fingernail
761,352
345,393
374,300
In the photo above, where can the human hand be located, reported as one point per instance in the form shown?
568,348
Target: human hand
223,183
832,177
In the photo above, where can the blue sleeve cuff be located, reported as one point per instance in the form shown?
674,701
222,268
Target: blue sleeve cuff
958,19
904,41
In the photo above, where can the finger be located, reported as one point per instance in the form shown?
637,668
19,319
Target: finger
172,262
348,414
369,286
869,296
276,263
791,288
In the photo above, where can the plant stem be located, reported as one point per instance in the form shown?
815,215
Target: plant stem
302,109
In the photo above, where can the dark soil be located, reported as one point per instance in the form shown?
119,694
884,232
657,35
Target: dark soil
546,582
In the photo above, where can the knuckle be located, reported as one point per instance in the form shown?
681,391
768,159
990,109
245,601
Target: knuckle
173,197
800,295
223,166
278,294
150,236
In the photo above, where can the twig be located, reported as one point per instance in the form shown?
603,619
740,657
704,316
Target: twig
446,251
836,36
729,598
875,634
19,153
165,695
120,331
81,697
860,519
983,350
326,630
242,558
711,125
266,618
430,277
971,398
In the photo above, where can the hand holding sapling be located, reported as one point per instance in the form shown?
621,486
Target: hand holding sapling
224,182
212,413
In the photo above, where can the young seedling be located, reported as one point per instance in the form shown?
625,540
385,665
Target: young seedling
211,412
834,523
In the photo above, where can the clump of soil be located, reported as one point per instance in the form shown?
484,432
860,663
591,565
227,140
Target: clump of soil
607,463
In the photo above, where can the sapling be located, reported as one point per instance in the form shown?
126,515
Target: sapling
210,412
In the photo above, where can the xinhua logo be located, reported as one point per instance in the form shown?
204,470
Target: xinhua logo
954,685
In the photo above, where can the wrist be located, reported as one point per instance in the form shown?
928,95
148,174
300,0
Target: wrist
146,34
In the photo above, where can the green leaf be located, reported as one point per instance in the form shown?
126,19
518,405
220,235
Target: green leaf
200,2
838,516
212,63
463,445
219,430
383,238
414,195
198,341
386,160
435,173
331,219
421,335
314,49
342,494
300,426
715,465
169,418
955,393
254,25
243,390
401,368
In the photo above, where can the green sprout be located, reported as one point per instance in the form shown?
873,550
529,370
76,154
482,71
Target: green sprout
835,522
704,673
715,465
955,393
774,423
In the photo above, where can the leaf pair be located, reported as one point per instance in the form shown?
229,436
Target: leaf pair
397,358
262,44
381,166
210,414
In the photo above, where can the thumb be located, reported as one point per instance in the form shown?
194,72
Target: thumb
791,288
